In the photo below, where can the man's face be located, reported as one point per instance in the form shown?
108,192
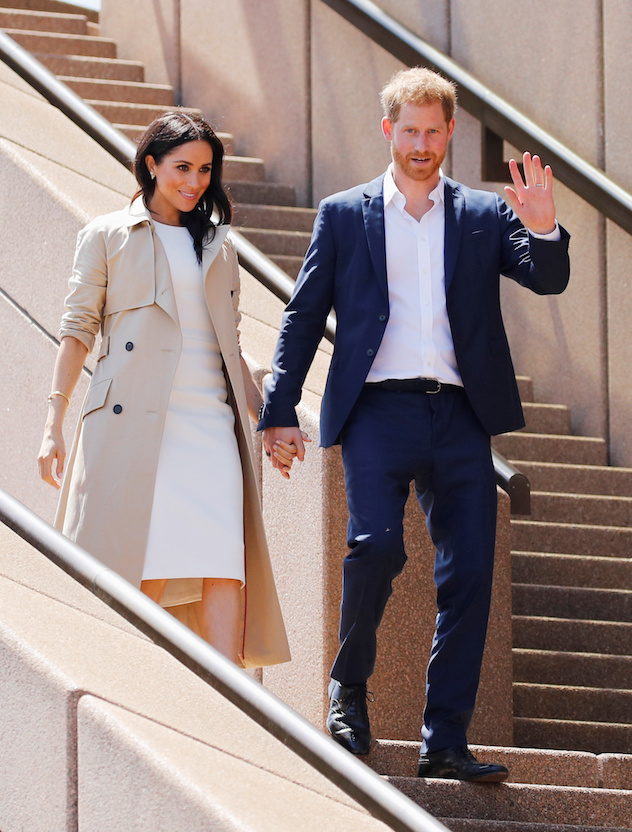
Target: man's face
419,140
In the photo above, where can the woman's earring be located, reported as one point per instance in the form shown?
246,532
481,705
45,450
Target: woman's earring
152,174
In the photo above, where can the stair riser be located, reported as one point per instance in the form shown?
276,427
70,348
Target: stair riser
134,93
554,508
292,243
566,449
121,113
266,216
516,802
573,602
525,388
135,131
472,825
571,570
527,536
572,636
541,667
545,419
64,44
245,171
572,479
290,265
572,704
575,736
55,6
60,24
263,193
92,67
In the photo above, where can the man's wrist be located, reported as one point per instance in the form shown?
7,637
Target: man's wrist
553,235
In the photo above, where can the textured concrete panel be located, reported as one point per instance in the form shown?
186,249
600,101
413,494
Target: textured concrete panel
245,65
137,774
62,653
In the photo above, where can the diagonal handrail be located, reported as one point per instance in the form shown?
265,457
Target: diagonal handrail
491,110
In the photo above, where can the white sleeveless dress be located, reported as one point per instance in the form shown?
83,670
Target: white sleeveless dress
196,528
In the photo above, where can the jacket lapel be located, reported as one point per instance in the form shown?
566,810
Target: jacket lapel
454,207
373,214
165,297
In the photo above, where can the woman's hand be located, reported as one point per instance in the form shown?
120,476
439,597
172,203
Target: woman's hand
52,456
283,445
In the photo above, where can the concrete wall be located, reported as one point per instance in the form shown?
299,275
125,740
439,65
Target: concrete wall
299,86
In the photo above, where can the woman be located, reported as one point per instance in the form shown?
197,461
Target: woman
160,482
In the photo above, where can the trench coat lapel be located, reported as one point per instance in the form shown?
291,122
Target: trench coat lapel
373,215
454,208
212,288
165,296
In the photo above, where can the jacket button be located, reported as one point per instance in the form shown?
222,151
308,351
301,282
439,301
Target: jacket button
370,352
129,346
382,318
117,408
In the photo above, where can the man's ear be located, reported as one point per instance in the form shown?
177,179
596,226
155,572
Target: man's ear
387,128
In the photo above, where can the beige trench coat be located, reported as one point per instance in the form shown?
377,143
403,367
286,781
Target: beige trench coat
121,286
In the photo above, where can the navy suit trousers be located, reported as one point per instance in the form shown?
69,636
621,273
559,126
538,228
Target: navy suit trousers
391,439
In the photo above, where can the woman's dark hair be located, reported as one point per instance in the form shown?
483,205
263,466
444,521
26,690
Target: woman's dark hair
163,135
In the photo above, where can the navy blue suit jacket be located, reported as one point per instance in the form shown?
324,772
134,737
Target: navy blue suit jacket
345,268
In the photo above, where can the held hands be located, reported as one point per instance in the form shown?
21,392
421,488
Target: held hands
282,446
532,200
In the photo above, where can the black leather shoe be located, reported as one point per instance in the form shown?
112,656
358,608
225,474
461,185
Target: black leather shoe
348,720
459,764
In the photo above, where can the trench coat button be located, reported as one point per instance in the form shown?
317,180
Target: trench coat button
382,318
117,408
370,352
129,346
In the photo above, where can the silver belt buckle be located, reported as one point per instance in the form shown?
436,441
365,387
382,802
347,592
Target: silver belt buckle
434,392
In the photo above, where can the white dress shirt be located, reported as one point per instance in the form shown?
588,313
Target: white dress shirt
417,341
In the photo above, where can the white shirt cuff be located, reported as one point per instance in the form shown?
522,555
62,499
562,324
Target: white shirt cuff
554,235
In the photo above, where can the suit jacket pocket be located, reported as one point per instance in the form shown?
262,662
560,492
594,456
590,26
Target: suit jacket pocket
97,394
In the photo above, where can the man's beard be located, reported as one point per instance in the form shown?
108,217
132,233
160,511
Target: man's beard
411,170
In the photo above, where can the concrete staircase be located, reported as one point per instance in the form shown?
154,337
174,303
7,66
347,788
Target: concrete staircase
572,605
68,43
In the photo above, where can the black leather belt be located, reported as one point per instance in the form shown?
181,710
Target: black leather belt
415,385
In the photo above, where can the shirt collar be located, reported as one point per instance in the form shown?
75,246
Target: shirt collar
392,193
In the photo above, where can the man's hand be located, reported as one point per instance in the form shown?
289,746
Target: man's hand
282,445
532,200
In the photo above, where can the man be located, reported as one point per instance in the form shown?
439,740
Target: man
420,378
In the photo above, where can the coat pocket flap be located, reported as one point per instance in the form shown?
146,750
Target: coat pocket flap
97,395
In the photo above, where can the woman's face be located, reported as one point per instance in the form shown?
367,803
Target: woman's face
182,177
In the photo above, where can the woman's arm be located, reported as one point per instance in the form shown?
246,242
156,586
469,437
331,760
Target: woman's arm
70,359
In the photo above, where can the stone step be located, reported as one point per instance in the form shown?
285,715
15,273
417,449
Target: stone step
581,508
291,265
550,448
596,737
52,43
135,131
519,802
572,602
571,570
571,539
121,112
568,702
69,24
547,767
525,388
264,193
101,89
583,479
56,6
473,825
291,243
274,216
547,418
244,168
572,668
90,67
564,634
